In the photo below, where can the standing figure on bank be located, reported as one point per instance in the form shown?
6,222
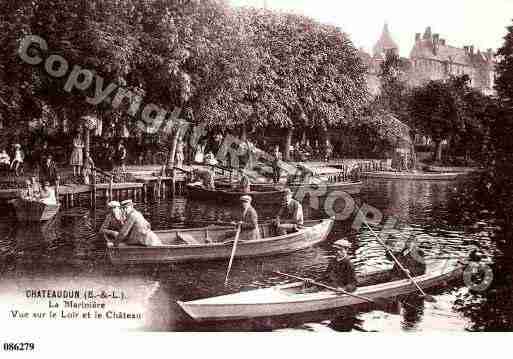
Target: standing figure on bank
113,221
290,217
17,161
77,159
48,171
88,169
248,221
136,230
340,272
277,157
179,156
245,183
121,155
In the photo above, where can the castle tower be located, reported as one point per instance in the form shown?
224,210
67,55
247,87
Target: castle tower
385,44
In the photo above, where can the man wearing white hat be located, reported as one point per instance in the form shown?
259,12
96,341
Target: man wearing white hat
340,272
136,230
113,221
249,220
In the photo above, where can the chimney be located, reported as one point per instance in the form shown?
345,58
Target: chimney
465,48
417,37
442,42
436,38
472,50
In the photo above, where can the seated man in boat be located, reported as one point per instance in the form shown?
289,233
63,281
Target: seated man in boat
410,257
340,272
113,221
47,195
205,177
290,217
249,221
136,230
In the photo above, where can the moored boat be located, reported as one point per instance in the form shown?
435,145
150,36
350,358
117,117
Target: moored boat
328,187
216,242
449,176
261,195
33,211
295,298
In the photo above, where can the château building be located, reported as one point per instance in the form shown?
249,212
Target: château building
432,58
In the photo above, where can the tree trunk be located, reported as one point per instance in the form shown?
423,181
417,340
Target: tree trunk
288,143
172,150
438,151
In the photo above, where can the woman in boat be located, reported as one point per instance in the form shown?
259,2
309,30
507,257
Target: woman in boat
205,177
136,230
113,221
290,217
411,258
340,272
249,221
77,159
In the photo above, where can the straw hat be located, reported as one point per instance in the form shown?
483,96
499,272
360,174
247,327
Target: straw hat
113,204
127,202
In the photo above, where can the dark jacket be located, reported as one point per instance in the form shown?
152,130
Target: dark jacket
48,173
292,213
413,260
249,227
340,273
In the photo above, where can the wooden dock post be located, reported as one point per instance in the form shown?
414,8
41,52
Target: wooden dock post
94,189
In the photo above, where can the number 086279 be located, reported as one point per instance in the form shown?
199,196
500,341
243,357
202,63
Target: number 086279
11,347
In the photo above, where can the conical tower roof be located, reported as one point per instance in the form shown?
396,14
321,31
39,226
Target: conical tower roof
385,43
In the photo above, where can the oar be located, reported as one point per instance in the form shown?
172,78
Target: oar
308,280
429,298
233,254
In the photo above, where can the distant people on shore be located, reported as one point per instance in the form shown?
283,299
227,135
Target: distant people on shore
19,158
5,160
87,171
76,159
121,155
48,171
277,158
179,155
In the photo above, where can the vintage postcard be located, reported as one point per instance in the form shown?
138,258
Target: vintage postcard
254,166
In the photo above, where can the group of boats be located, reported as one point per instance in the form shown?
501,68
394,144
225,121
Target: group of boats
216,242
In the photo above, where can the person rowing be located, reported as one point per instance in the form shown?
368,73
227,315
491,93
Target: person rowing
113,221
290,217
340,272
204,178
411,258
248,221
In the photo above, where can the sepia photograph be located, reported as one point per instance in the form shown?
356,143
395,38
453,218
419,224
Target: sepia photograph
278,166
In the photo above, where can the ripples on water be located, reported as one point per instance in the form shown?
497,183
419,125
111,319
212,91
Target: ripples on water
68,246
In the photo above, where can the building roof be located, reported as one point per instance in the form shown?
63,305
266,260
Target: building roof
385,43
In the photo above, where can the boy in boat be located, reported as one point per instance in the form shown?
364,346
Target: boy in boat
290,217
249,221
113,221
136,230
48,194
340,272
411,258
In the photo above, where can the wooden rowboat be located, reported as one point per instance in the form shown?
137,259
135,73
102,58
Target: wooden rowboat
327,187
261,195
33,211
295,298
216,242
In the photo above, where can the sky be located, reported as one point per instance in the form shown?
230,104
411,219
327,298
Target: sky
481,23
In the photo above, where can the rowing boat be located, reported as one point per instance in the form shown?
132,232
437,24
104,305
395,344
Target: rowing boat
33,211
216,242
328,187
296,298
261,195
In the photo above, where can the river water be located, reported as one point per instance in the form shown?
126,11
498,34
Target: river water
66,253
